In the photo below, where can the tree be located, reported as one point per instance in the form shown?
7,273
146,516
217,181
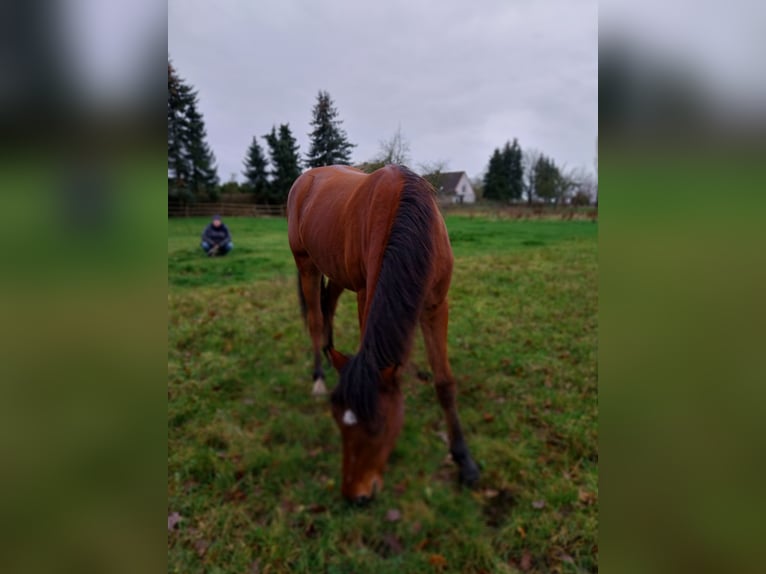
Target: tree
529,159
504,178
329,143
256,174
203,178
493,179
191,163
395,150
231,186
595,182
178,168
285,161
547,179
477,182
432,171
512,157
578,186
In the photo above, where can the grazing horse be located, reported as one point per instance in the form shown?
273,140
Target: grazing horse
382,236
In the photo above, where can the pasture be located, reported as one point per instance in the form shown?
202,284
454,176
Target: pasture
254,460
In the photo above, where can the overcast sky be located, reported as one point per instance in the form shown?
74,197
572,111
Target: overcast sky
460,78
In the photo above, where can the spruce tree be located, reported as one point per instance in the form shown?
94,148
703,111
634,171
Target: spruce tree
191,164
285,161
178,167
493,183
515,171
329,143
204,176
547,179
256,174
504,178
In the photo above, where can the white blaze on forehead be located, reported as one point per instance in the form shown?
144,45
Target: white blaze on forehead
349,418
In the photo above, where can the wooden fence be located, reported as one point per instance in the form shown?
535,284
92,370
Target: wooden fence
226,209
520,211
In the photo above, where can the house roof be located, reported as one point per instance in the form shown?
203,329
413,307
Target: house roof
447,181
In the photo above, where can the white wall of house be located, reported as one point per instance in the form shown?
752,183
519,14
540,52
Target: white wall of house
464,191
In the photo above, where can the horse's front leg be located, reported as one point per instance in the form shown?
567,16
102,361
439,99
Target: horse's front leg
433,322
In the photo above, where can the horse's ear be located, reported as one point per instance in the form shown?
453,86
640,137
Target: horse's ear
337,359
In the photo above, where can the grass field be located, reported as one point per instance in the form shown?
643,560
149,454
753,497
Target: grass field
254,460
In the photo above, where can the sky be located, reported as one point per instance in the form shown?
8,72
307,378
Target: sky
458,78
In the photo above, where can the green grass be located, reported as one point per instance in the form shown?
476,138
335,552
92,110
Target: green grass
254,461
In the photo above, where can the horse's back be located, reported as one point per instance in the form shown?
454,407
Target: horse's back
339,182
339,216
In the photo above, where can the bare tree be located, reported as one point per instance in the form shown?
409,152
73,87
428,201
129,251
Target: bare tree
395,150
578,186
477,182
595,183
432,170
529,159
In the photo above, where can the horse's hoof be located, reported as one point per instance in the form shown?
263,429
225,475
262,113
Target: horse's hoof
319,389
469,474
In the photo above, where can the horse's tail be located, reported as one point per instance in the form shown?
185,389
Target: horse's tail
398,299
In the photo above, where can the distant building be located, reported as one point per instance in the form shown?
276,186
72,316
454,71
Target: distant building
453,187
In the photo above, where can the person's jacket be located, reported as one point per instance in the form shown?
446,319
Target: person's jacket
216,235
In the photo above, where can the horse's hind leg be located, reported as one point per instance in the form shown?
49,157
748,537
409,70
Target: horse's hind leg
331,292
433,322
310,285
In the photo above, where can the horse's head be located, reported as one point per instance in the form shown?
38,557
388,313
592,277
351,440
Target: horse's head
368,438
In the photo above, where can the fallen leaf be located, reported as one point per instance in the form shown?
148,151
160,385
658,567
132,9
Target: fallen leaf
564,557
522,532
173,520
422,544
490,493
437,560
538,504
489,417
393,515
201,547
277,336
587,498
526,561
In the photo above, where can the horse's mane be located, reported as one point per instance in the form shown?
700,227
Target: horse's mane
397,302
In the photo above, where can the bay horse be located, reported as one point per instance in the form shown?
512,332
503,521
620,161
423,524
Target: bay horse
382,236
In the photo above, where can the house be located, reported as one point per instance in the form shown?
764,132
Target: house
453,187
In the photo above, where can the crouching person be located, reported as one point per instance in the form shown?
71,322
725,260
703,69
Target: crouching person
216,239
